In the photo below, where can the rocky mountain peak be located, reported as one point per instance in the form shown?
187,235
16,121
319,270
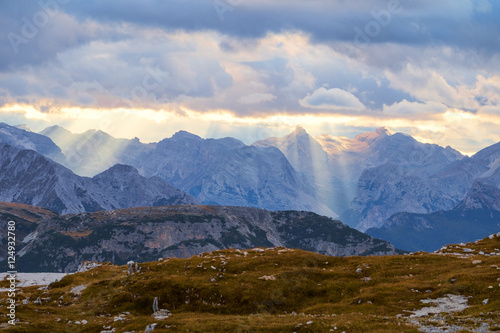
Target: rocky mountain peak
53,129
24,127
23,139
299,131
371,137
183,135
121,169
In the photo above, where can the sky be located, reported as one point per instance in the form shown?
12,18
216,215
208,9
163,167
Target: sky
254,69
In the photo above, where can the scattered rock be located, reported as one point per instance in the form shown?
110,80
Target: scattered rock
77,290
447,304
121,317
268,278
257,249
150,328
133,267
161,314
87,266
155,305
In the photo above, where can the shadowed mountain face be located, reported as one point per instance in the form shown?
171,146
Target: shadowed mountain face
418,196
369,178
142,234
26,219
372,176
30,178
25,139
227,172
223,171
477,215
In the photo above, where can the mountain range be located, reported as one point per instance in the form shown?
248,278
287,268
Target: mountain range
377,181
417,196
374,175
62,242
475,216
221,172
31,178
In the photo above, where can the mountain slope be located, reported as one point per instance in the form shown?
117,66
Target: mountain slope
94,151
227,172
275,290
143,234
24,139
223,171
30,178
121,186
372,176
26,219
331,164
476,216
404,180
307,156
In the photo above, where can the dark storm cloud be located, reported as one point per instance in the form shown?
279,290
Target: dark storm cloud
34,32
28,25
91,52
461,23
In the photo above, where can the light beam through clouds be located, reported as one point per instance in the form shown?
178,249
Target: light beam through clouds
429,69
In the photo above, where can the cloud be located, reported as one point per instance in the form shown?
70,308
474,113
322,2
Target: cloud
259,58
150,71
32,35
333,99
428,85
490,110
412,109
464,24
256,98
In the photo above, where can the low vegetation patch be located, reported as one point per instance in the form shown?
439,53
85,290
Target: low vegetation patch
274,290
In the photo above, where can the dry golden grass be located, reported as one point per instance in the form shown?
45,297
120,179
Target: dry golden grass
29,213
77,234
275,290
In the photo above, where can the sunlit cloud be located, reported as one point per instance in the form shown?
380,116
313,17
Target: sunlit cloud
335,99
431,70
448,128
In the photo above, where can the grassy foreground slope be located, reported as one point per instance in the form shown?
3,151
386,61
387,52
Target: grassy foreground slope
273,290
